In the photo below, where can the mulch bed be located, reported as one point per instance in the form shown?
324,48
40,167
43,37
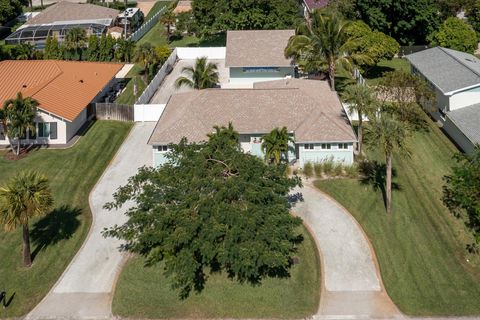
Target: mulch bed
10,156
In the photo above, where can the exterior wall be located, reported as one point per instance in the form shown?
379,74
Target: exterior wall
318,155
73,127
237,75
464,99
460,139
159,158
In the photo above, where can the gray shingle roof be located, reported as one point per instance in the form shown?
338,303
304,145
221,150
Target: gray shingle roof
313,118
468,121
449,70
257,48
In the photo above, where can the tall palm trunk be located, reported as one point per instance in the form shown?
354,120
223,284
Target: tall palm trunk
389,184
27,257
17,151
360,133
331,72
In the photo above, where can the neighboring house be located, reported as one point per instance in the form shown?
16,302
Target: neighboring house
311,112
64,89
455,78
258,55
183,6
310,5
58,19
132,17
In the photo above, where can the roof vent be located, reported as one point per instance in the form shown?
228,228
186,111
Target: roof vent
24,86
81,80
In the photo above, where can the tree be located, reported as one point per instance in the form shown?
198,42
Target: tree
52,49
386,133
407,21
210,208
106,48
75,41
275,145
17,117
25,196
325,38
202,75
473,15
24,51
361,100
461,192
125,50
93,50
9,10
168,19
450,8
163,52
456,34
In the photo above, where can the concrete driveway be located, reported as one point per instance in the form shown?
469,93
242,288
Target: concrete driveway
352,285
85,289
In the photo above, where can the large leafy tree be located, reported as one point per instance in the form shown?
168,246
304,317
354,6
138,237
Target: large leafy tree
168,19
9,10
52,49
146,55
325,39
25,196
125,50
473,14
18,116
362,101
202,75
275,145
389,135
456,34
210,208
408,21
75,42
461,193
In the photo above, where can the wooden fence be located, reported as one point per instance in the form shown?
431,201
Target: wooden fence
111,111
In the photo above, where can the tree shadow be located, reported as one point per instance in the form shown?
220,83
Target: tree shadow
59,225
374,174
377,72
6,302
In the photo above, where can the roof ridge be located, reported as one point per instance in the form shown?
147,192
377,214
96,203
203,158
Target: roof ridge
458,60
43,84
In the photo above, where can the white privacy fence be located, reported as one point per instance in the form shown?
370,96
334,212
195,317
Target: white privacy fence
137,35
147,112
212,53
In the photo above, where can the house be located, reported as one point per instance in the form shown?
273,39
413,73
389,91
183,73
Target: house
311,112
455,78
310,5
63,89
183,6
258,55
58,19
132,18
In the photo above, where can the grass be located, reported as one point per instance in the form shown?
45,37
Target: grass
156,7
421,246
143,292
127,96
374,75
56,237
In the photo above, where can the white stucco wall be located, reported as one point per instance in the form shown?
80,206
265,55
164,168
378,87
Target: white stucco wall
464,99
456,135
317,155
213,53
73,127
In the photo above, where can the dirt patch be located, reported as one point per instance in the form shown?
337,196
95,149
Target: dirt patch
10,156
145,6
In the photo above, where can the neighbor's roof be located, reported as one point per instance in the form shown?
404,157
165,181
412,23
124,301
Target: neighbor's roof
63,88
257,48
315,4
68,11
307,107
449,70
183,6
468,121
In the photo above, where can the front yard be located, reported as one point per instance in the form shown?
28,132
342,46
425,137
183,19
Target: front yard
143,292
421,246
56,237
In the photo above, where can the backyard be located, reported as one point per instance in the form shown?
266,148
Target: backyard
144,292
56,237
421,247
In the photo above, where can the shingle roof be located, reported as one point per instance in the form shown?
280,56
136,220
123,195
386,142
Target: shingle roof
313,117
449,70
68,11
257,48
468,121
315,4
63,88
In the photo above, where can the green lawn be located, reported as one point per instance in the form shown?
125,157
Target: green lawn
156,7
145,293
421,247
56,237
127,96
374,74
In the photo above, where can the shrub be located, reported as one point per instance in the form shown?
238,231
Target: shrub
308,169
351,171
338,169
318,168
328,166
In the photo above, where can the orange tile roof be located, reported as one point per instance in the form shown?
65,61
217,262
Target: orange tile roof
63,88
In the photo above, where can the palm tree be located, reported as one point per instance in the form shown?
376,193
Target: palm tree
201,76
390,135
24,51
361,100
224,136
275,145
146,55
25,196
76,40
125,49
324,37
17,117
168,19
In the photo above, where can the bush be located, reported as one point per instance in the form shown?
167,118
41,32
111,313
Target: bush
328,166
308,169
351,171
318,168
338,169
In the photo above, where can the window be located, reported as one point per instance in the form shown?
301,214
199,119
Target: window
343,146
43,129
308,146
326,146
162,148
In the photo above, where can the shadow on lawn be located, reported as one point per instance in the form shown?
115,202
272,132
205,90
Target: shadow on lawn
374,174
59,225
377,72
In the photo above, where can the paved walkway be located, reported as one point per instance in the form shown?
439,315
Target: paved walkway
85,289
352,287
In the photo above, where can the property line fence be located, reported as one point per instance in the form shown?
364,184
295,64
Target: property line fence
147,26
358,75
112,111
159,77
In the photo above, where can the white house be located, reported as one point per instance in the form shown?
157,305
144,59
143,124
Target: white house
455,78
310,111
63,89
